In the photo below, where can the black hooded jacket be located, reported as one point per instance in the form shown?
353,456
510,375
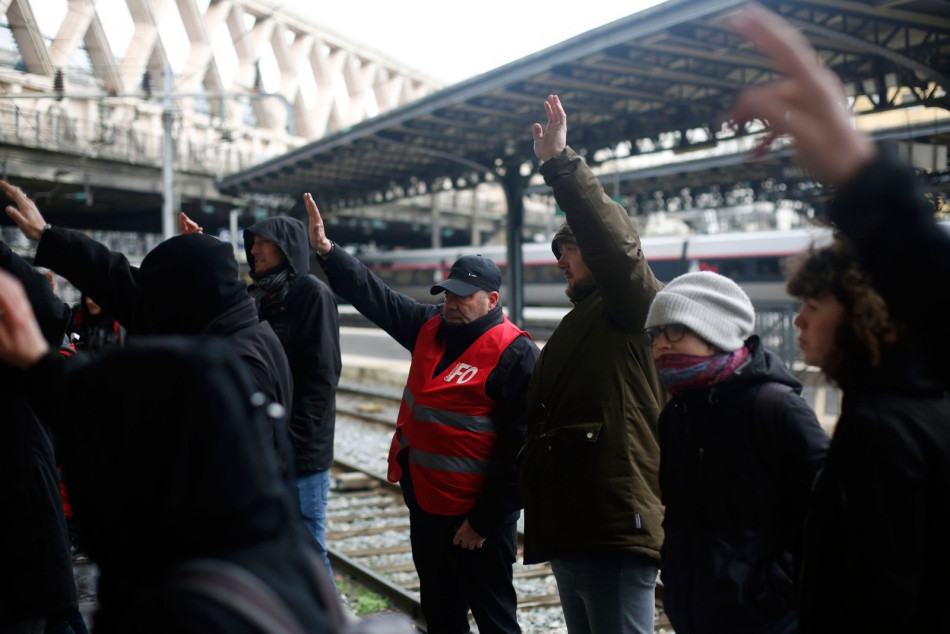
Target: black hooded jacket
161,452
36,574
304,315
187,285
735,490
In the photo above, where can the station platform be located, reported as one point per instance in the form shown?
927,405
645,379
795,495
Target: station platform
388,374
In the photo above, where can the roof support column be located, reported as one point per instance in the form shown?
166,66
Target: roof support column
514,185
436,223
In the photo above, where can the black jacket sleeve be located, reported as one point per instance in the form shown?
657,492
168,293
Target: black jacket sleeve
609,243
507,385
52,314
105,276
886,214
397,314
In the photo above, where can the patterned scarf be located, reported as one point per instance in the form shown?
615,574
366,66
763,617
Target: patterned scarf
683,372
272,285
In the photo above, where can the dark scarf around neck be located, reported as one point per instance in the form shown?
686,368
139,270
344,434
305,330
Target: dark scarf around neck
680,373
271,285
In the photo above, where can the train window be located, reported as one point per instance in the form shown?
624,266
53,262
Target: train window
769,268
547,273
403,276
384,274
666,270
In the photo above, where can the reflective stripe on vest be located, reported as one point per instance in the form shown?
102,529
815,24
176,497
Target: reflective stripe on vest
447,420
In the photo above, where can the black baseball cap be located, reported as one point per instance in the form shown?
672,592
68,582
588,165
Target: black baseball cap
470,273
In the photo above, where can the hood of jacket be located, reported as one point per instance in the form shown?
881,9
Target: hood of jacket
188,479
186,282
290,236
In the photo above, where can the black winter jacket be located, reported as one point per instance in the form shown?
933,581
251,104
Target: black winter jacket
304,316
187,285
735,489
877,549
887,215
36,574
161,453
402,317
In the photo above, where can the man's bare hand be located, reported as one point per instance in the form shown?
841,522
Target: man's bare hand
21,341
809,104
467,538
318,234
552,139
23,212
188,225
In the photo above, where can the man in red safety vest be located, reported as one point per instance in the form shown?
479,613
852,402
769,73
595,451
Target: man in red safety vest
460,427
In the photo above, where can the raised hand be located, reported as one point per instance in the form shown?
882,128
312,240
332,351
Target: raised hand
21,341
550,140
316,231
23,212
188,225
809,104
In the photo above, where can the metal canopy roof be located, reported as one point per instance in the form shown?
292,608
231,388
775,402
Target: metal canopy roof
673,68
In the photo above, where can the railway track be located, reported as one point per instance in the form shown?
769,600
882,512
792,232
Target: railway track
368,523
368,539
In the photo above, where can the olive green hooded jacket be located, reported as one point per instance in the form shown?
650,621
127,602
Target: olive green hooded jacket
589,466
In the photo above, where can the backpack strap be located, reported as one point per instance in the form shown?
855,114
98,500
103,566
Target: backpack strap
240,591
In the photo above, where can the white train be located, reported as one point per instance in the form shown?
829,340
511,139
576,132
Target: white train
755,260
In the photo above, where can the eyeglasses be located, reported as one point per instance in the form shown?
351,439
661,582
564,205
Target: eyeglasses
672,332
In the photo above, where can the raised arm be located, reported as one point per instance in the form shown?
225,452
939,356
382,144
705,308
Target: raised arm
315,229
188,225
551,140
21,342
809,103
23,212
50,311
880,203
609,243
89,265
396,313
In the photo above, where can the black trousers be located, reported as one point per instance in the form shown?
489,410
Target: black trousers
453,579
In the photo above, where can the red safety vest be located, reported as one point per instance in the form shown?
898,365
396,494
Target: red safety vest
448,422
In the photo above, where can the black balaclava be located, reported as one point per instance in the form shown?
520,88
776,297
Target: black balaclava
186,282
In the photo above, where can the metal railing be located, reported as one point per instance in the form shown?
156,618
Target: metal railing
56,130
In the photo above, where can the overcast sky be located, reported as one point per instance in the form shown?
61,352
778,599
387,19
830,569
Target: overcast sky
453,40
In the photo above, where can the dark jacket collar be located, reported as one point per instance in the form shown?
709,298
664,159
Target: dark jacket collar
237,317
459,337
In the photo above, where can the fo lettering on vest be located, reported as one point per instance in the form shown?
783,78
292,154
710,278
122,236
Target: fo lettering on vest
447,422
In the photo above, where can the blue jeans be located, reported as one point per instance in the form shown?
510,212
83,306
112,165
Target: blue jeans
607,594
312,491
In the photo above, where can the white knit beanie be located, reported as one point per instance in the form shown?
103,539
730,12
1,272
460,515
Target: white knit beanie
709,304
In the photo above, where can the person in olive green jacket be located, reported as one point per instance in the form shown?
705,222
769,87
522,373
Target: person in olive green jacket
589,467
